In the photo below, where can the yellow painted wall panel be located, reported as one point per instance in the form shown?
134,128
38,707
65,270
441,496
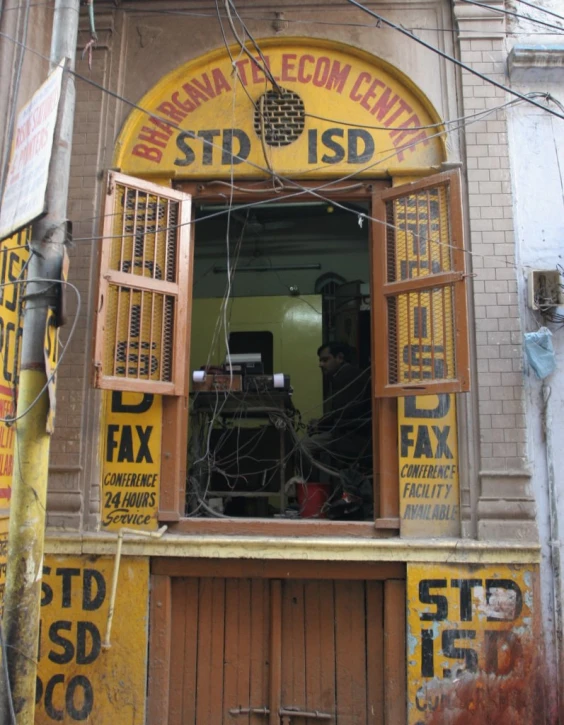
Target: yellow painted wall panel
79,681
333,81
131,460
473,647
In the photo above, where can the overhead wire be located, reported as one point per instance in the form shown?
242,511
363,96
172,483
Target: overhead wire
514,14
300,189
451,58
264,67
300,21
51,282
292,182
542,9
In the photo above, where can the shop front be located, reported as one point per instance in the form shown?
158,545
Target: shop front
258,208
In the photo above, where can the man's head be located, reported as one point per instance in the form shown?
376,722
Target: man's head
332,355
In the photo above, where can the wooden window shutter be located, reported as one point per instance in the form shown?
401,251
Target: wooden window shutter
143,295
420,325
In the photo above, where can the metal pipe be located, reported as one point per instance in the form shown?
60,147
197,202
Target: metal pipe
26,534
555,543
106,644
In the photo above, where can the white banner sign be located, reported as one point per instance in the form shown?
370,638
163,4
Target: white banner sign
24,195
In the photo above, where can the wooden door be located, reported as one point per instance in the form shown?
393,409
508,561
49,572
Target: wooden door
252,651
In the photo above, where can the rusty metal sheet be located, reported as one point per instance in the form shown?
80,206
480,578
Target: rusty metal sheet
78,680
474,652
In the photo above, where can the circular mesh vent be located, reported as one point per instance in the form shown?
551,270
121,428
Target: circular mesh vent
284,117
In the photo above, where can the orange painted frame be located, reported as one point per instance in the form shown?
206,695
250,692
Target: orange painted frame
382,290
171,507
178,385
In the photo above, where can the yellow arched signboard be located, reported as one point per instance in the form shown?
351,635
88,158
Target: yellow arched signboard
337,110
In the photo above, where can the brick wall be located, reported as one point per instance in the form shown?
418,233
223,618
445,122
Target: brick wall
73,497
504,507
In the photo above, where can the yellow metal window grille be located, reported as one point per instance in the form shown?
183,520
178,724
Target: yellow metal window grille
143,288
420,321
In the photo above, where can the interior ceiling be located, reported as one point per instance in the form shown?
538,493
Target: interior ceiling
281,229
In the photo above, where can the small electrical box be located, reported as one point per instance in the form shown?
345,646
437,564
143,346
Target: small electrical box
545,289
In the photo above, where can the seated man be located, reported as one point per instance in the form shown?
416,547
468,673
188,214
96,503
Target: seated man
344,432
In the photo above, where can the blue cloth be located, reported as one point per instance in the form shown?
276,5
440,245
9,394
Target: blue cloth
540,352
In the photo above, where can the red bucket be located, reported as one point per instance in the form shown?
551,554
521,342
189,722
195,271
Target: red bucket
311,498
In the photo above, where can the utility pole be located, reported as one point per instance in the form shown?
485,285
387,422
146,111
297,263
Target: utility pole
31,456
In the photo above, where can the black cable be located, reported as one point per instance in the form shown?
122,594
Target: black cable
264,69
512,13
6,676
542,9
300,190
299,21
454,60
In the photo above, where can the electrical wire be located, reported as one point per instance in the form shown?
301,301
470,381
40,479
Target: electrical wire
12,420
264,67
542,9
334,23
292,182
234,65
477,115
452,59
514,14
8,688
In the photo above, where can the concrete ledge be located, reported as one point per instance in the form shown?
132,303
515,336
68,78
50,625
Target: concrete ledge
531,63
447,551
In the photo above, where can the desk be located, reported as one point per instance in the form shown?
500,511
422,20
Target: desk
275,407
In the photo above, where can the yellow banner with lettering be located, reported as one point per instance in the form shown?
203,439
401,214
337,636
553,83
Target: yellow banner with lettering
332,110
131,460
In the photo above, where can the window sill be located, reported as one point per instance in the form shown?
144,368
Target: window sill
199,545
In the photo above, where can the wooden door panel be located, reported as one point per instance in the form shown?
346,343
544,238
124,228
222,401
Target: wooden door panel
259,639
184,638
350,655
219,650
320,645
209,681
315,645
293,646
375,652
332,650
237,661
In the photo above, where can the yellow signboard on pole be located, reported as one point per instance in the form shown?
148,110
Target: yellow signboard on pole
13,255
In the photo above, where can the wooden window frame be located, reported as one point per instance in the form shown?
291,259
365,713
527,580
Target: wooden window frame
384,289
107,277
175,413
